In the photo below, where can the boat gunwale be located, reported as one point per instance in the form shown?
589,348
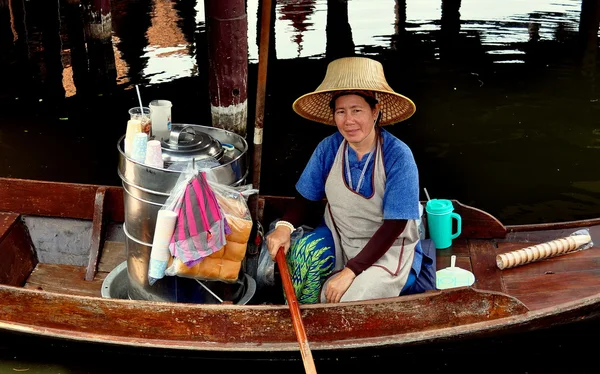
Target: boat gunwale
523,322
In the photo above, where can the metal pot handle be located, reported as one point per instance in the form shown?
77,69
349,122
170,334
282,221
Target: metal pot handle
176,133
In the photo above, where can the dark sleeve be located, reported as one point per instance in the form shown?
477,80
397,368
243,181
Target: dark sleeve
380,242
297,212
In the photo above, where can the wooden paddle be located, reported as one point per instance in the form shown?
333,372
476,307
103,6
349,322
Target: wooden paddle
290,295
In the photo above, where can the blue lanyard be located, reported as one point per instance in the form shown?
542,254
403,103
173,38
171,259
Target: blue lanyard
362,173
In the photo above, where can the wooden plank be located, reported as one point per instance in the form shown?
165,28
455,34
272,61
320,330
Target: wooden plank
483,260
7,220
67,279
545,235
17,256
557,287
460,247
555,282
69,200
574,225
113,254
463,262
97,234
476,224
549,299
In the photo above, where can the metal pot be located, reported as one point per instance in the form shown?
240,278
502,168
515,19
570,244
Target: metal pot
146,189
187,142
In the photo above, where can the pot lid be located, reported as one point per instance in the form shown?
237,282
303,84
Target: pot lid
185,140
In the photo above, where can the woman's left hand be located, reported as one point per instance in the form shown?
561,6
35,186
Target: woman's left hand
338,285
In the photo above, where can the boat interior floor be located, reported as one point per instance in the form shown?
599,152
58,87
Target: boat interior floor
538,284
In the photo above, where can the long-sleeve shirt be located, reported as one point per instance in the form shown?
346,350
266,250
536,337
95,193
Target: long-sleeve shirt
379,243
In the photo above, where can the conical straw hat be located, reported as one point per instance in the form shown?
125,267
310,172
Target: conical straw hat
354,73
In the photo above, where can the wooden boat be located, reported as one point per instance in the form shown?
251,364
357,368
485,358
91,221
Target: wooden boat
43,294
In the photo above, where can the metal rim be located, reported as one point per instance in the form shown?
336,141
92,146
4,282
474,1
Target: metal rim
125,180
128,235
242,139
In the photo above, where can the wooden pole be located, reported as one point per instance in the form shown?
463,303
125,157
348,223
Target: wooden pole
290,295
588,34
79,56
338,31
263,59
399,25
227,34
98,20
51,66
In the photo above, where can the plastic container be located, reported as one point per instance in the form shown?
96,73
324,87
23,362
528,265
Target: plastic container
439,222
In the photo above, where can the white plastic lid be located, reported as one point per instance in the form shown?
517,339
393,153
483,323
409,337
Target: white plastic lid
452,277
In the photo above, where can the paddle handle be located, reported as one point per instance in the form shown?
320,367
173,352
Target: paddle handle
541,251
290,295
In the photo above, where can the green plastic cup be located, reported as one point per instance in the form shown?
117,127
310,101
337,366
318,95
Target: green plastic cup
439,222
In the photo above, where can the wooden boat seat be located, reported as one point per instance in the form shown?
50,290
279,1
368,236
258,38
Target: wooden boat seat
16,264
7,220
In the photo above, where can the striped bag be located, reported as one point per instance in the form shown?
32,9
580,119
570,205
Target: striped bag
201,226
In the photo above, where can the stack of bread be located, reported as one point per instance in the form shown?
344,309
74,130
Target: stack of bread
225,264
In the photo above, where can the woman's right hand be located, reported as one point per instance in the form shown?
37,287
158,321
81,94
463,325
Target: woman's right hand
280,237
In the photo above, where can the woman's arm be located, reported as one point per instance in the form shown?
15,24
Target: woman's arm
295,213
380,242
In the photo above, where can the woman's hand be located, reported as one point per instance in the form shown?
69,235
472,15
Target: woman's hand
280,237
338,285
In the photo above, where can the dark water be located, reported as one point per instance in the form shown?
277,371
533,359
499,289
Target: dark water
507,105
561,350
508,115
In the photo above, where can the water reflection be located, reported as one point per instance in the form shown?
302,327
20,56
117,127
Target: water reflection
170,55
506,95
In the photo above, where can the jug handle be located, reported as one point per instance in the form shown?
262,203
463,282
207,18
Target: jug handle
458,224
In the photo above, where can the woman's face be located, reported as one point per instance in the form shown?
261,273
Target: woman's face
354,118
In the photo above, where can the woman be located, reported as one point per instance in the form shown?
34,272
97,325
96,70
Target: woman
368,244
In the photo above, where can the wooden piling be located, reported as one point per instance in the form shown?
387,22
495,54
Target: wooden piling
338,31
261,87
227,30
98,26
78,50
51,64
589,23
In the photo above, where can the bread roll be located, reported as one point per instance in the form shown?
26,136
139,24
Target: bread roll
234,207
235,251
218,254
230,270
240,229
209,268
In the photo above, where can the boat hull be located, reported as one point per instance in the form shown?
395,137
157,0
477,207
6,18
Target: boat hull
434,317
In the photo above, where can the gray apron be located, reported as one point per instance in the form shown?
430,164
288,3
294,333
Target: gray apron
353,220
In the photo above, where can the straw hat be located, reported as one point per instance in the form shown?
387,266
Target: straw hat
354,73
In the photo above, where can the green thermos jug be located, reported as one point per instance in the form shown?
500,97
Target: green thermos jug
439,222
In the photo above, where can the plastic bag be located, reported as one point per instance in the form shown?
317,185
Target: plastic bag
160,254
265,273
224,264
201,227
